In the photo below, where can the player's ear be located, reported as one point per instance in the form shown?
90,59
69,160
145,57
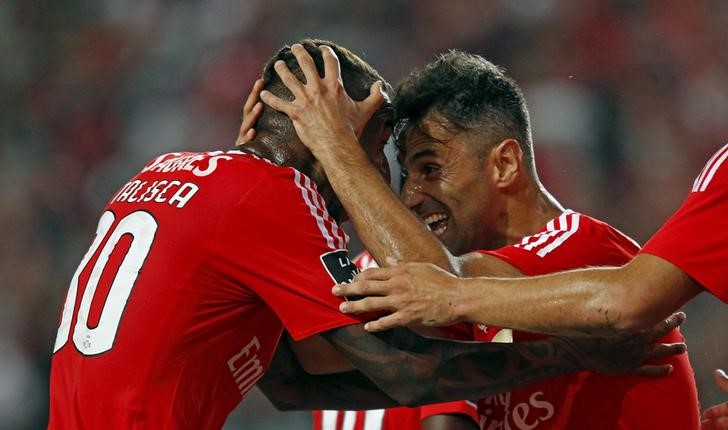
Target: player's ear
507,158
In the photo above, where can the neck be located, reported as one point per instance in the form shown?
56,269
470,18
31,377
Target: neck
284,154
529,210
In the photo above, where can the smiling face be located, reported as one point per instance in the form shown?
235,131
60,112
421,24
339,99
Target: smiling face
450,186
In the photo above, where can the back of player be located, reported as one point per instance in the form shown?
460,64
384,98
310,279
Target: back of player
177,307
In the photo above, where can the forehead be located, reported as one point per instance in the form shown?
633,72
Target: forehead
429,137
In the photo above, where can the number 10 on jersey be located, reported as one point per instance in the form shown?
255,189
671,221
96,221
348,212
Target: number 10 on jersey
93,341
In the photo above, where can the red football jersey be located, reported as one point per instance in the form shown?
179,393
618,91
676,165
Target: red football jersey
695,238
586,400
395,418
198,263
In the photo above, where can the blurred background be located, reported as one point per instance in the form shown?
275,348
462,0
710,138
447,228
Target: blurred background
628,100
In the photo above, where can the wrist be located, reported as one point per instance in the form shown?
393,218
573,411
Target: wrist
462,304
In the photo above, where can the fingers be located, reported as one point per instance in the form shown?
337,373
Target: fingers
289,79
663,350
370,104
654,370
377,274
367,304
276,102
715,413
306,63
362,288
332,68
721,379
252,110
384,323
252,99
668,325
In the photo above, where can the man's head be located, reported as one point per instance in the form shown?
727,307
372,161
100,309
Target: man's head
464,141
275,130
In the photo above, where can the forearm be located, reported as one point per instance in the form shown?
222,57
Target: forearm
597,301
447,370
383,223
289,387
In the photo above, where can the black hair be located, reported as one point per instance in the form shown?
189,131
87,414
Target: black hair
471,94
357,75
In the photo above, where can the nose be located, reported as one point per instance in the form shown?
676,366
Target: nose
412,194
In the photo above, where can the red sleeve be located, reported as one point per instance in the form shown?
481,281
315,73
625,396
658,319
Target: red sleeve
290,252
562,245
695,238
461,407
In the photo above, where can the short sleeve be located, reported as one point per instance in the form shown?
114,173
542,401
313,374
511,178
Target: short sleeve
695,238
287,249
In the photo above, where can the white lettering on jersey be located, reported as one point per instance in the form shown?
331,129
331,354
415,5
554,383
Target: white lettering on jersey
245,366
173,193
522,416
176,161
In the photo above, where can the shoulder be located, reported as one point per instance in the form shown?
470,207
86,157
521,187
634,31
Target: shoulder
574,229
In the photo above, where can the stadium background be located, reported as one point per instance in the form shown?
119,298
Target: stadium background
628,99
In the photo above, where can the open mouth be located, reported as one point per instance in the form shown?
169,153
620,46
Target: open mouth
437,223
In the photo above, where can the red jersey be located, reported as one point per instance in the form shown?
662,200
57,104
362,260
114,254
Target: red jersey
197,265
586,400
695,238
394,418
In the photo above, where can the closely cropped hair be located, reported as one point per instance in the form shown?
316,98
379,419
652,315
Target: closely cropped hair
471,94
357,75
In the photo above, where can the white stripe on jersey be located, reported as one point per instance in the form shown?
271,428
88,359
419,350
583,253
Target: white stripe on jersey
706,175
318,200
557,232
349,420
307,193
373,419
339,234
328,420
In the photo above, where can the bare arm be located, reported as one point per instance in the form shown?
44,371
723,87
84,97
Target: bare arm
448,370
590,301
324,118
449,422
289,387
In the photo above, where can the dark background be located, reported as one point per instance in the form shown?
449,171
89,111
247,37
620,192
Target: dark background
628,100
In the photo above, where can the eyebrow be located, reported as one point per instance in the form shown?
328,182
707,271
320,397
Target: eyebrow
420,154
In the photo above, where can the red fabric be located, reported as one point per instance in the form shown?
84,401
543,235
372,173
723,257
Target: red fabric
695,238
235,257
396,418
586,400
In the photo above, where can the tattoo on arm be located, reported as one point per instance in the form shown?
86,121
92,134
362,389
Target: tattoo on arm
415,370
287,385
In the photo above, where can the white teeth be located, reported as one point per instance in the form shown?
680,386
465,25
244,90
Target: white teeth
430,220
434,218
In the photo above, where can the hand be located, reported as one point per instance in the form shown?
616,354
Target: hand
716,417
625,354
417,294
322,112
252,110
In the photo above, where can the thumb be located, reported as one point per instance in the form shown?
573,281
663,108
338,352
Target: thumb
369,105
391,261
721,379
